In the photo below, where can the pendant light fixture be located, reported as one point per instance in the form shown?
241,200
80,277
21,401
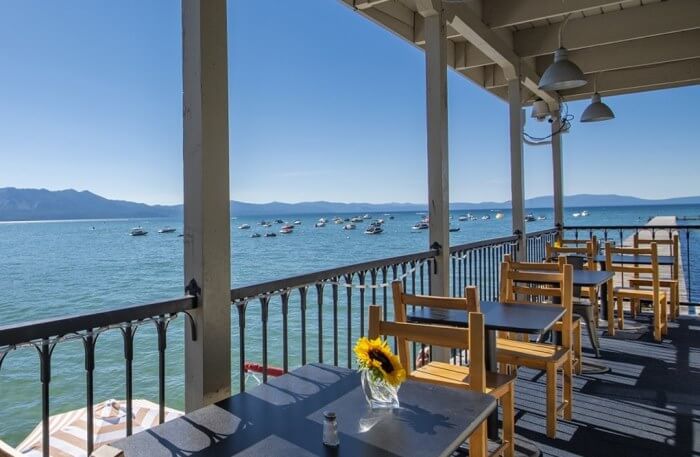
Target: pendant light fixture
597,110
562,73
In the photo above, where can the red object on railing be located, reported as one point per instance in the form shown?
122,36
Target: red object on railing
257,368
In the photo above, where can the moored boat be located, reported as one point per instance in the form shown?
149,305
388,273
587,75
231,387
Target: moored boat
166,230
138,231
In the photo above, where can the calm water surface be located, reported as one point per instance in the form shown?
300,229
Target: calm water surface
60,268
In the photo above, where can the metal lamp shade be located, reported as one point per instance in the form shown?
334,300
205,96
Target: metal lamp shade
562,74
597,111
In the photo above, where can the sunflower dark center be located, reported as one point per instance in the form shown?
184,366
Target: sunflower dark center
376,354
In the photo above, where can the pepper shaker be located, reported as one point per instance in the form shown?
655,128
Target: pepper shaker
330,429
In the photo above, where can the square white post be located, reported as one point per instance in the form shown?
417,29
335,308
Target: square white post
516,164
438,165
557,169
206,199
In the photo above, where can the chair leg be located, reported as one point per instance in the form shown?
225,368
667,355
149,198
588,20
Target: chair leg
620,313
478,442
568,390
657,320
611,311
508,405
674,302
578,351
551,401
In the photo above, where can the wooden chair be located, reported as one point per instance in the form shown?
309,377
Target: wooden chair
558,266
636,294
550,358
587,249
671,283
474,377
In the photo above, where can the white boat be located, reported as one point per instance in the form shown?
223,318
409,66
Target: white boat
137,231
267,224
297,222
420,226
337,221
287,229
485,218
380,221
374,229
356,219
584,213
366,216
529,218
499,215
350,226
244,226
255,235
463,218
320,224
166,230
576,214
454,229
541,218
323,220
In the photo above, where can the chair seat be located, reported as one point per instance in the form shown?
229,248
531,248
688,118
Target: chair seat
520,352
642,294
648,283
458,376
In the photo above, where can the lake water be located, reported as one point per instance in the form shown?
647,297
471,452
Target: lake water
69,267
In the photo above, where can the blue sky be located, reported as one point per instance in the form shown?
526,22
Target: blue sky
323,105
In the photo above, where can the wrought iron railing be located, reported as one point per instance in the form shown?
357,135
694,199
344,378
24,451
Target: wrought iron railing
689,238
44,335
536,243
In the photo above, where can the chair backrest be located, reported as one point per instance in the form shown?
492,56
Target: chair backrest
528,283
587,249
471,339
578,242
469,303
674,244
651,269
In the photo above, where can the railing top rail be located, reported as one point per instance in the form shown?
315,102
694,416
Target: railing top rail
483,243
253,290
631,227
541,232
25,332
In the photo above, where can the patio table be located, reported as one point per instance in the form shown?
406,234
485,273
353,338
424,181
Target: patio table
285,418
509,317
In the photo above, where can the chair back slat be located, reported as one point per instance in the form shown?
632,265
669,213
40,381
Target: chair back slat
675,249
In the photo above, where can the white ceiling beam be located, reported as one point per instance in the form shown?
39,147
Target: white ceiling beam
624,25
366,4
637,53
492,45
506,13
468,56
673,74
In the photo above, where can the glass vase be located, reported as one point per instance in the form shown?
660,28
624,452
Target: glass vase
379,393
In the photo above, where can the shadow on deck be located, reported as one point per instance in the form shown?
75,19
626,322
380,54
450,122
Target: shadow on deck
647,405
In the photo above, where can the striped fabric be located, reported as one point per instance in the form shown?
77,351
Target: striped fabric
68,431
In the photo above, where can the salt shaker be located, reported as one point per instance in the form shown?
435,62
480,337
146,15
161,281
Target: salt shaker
330,429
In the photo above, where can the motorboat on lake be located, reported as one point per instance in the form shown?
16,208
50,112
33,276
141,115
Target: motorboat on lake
287,229
137,231
584,213
454,229
255,235
279,221
244,226
374,229
270,234
499,215
166,230
350,226
356,219
320,224
541,218
485,218
530,218
576,214
420,226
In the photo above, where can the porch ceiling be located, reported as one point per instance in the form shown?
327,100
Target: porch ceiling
629,46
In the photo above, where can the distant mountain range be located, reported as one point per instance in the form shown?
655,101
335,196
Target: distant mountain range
42,204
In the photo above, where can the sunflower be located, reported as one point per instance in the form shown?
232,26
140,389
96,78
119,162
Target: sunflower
376,357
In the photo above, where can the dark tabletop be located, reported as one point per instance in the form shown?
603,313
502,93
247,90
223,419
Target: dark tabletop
285,418
587,278
497,316
635,259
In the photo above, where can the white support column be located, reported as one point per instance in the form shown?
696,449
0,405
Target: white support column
516,163
557,170
438,166
206,199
